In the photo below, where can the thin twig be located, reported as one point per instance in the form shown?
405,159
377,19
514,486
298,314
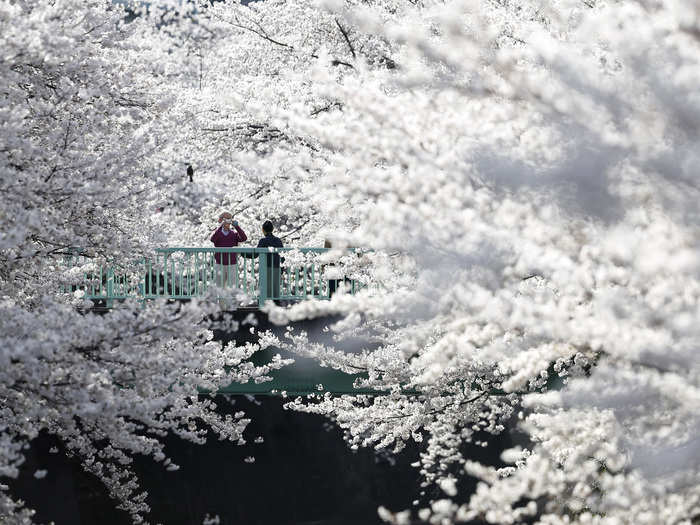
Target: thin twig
295,229
347,39
200,69
326,108
438,410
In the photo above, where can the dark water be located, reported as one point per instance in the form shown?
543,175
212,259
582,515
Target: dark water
303,474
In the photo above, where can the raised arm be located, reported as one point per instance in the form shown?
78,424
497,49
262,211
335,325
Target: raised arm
241,234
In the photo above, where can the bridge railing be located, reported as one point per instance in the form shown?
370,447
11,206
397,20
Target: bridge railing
260,274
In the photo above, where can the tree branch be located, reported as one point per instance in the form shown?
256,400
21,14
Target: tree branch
347,39
326,108
438,410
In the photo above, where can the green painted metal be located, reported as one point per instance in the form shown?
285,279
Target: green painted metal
185,273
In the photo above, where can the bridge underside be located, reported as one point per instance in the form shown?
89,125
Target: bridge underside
302,378
305,376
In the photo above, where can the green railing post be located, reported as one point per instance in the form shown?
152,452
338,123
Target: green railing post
110,287
263,277
194,273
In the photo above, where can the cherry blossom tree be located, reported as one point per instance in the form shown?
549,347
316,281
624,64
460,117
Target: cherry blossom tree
82,125
525,174
523,171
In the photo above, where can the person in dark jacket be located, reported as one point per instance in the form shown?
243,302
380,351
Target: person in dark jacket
269,240
228,235
273,260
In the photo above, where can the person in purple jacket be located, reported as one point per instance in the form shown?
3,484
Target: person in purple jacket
228,235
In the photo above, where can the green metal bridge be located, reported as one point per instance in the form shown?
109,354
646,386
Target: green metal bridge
284,275
259,275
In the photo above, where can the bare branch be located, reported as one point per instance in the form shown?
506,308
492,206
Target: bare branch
326,108
347,39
